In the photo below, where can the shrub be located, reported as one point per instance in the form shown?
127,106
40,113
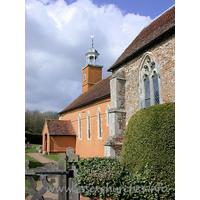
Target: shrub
105,177
97,174
33,138
149,145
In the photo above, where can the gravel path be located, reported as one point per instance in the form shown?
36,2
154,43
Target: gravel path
40,158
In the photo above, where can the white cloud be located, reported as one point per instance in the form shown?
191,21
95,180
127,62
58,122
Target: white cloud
57,38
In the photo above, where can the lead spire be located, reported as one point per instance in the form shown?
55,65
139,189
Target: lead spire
92,36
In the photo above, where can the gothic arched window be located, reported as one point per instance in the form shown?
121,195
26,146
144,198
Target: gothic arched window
99,123
149,81
79,127
88,126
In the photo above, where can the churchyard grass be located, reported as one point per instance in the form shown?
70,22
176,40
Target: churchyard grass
33,149
33,164
53,157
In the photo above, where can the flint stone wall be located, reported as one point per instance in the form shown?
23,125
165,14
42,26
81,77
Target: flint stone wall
124,86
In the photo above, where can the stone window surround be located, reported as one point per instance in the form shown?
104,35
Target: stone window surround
147,61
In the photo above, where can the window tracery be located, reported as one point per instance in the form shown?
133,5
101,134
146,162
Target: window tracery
149,81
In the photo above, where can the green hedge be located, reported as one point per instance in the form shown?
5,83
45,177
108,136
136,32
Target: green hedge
106,177
33,138
98,172
149,144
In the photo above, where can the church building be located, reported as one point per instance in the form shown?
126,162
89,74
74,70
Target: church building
87,115
142,76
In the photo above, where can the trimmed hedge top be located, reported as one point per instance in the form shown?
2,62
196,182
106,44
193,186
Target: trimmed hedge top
149,143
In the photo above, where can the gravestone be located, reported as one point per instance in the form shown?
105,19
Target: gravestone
28,145
71,157
39,147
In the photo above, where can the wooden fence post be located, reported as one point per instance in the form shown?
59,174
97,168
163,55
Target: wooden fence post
72,159
62,184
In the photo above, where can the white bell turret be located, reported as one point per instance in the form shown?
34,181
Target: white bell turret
92,72
92,55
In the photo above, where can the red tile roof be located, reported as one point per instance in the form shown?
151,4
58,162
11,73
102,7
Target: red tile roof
60,127
97,92
159,26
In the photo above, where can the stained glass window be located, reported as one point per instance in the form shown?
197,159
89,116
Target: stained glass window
149,82
147,91
153,66
156,89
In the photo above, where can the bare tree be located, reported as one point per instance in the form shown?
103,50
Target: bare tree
34,120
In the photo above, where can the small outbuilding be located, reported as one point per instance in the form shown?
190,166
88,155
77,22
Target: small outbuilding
57,136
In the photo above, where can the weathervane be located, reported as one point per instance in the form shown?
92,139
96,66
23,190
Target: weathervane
92,36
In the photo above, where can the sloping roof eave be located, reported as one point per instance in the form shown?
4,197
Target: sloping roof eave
161,25
59,127
114,66
99,91
82,105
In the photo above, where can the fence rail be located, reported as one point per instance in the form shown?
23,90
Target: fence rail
66,188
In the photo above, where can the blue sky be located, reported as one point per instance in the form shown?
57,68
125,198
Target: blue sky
57,36
151,8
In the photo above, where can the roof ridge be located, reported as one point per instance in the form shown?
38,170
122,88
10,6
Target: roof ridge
158,16
161,25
